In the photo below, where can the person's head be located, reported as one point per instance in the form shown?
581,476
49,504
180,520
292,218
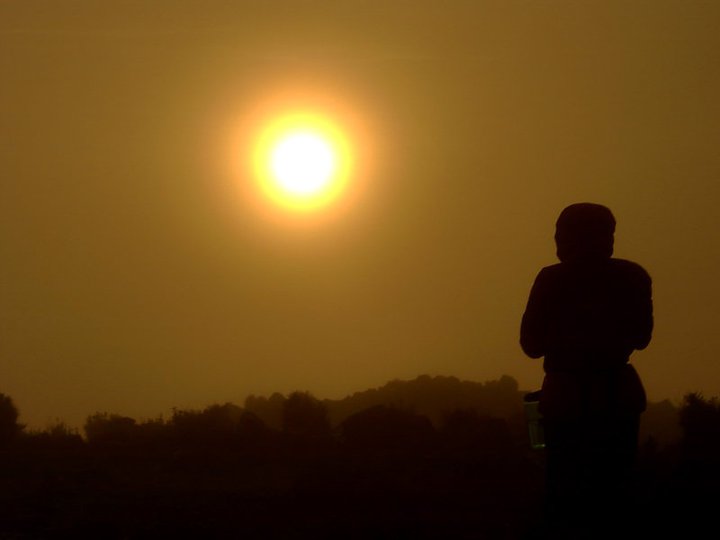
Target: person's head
584,231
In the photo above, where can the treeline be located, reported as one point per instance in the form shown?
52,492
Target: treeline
428,458
431,397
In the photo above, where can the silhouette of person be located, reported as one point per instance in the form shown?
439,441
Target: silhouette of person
585,316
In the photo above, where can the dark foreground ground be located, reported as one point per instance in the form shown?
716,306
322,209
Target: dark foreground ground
203,494
315,490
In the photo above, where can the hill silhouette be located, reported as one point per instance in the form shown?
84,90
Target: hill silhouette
432,397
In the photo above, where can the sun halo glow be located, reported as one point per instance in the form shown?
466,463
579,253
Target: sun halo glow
302,162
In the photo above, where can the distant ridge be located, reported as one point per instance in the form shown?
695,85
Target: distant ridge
435,396
430,396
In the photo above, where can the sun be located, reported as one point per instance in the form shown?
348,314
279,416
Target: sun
302,161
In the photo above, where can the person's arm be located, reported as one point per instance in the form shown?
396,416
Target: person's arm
533,329
643,312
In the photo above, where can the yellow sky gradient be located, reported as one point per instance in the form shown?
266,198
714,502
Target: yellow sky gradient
138,271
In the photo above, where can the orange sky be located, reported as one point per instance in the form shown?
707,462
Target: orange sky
138,273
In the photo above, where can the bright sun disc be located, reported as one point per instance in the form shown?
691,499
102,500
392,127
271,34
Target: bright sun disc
302,162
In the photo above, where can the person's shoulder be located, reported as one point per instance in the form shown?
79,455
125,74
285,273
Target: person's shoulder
550,273
551,270
557,267
630,268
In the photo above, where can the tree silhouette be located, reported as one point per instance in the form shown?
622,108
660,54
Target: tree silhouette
109,428
698,474
382,429
700,422
213,422
9,427
467,434
303,414
269,410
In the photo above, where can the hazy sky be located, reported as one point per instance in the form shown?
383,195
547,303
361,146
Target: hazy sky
139,272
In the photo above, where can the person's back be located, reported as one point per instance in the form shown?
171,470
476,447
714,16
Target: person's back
586,316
